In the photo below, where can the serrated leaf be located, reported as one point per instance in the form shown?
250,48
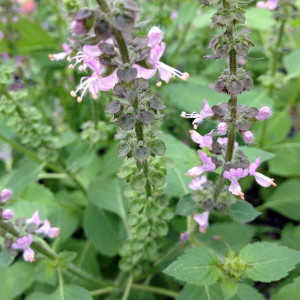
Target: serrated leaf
243,211
197,266
186,206
268,261
286,199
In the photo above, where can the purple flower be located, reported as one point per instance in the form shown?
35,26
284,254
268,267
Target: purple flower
224,141
51,232
158,47
205,112
1,35
203,141
5,56
5,195
7,214
270,4
222,128
202,220
208,165
248,137
183,237
263,113
62,55
197,183
260,178
174,15
234,175
35,219
24,243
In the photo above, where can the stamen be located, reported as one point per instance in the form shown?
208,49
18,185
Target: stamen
192,132
183,114
73,94
242,195
158,84
71,67
272,182
79,99
69,59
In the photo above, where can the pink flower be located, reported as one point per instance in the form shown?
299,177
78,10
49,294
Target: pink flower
222,128
197,183
202,220
24,243
62,55
174,15
158,47
35,219
203,141
248,137
7,214
1,35
260,178
5,195
78,27
234,175
270,4
27,5
205,112
263,113
208,165
51,232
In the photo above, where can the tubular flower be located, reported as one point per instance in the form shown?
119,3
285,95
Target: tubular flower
7,214
205,112
158,47
24,243
260,178
62,55
208,165
263,113
270,4
224,141
203,141
51,232
234,175
196,184
222,128
202,220
5,195
35,219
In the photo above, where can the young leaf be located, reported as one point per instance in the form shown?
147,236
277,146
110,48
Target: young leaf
197,266
243,211
267,261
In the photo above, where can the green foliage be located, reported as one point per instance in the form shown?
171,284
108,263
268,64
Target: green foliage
242,211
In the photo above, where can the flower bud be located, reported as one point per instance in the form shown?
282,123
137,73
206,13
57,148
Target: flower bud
5,195
248,137
78,27
7,214
263,113
222,128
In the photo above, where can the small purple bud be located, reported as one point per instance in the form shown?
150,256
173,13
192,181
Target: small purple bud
78,27
183,237
248,137
263,113
15,19
5,195
7,214
222,128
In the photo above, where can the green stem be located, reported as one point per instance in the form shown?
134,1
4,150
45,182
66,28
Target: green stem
128,287
95,113
38,247
103,291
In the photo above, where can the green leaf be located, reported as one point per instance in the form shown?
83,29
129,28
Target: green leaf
70,292
253,153
186,12
15,279
45,272
5,258
243,211
286,199
220,235
102,229
289,291
194,292
197,266
291,63
259,19
80,157
290,236
177,182
107,193
247,292
280,165
65,258
229,287
186,206
268,261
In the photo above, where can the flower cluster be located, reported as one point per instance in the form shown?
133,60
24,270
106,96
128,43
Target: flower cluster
104,63
269,4
31,226
212,155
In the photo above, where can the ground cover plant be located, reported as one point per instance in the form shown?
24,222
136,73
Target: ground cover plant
149,149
